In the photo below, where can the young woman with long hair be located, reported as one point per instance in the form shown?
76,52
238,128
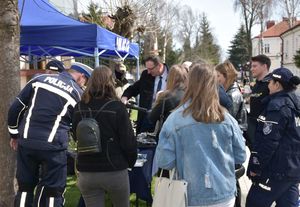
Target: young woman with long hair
203,142
105,171
171,97
227,76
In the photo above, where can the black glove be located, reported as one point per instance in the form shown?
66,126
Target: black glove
254,166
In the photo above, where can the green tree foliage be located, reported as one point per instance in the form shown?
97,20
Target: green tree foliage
238,54
207,48
172,55
94,15
297,58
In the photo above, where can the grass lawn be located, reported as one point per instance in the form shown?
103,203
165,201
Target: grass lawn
133,115
72,195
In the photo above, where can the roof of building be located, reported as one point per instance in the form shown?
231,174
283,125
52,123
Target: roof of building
292,28
277,29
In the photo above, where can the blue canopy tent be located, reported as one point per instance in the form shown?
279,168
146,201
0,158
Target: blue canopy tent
47,32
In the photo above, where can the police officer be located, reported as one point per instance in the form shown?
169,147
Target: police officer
38,122
260,66
274,165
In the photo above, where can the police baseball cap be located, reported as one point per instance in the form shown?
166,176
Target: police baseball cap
282,74
55,65
82,68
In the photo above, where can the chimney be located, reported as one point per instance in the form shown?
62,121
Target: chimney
270,23
285,19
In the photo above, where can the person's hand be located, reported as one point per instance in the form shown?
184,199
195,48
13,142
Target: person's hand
14,144
124,100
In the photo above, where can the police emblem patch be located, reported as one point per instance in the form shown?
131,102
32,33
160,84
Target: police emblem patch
267,128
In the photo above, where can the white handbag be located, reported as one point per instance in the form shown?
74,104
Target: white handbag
170,192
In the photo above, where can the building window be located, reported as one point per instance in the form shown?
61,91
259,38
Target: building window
267,48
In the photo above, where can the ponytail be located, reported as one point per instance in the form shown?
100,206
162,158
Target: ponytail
295,80
292,84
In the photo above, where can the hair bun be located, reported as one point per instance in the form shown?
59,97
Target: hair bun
295,80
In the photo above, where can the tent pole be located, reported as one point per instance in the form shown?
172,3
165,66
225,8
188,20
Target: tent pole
137,76
137,69
96,55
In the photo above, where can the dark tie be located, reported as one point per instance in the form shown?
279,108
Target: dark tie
159,84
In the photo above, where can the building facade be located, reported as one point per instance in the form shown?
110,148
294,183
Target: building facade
291,43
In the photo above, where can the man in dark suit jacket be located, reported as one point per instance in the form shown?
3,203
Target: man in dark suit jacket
152,80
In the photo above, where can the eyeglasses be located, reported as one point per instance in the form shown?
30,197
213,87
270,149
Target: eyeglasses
152,67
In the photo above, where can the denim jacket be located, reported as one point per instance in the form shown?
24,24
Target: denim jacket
203,154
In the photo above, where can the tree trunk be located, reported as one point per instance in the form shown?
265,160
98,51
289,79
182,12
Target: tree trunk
10,80
164,50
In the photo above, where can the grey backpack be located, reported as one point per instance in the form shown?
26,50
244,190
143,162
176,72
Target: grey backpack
88,132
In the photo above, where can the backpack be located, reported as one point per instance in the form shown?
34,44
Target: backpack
88,133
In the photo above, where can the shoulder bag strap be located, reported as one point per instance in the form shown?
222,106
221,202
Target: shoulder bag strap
240,109
162,114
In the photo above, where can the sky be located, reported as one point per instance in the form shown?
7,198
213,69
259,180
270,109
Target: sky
224,21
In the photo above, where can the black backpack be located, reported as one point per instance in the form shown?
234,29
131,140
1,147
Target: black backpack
88,133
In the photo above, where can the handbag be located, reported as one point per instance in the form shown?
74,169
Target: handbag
170,192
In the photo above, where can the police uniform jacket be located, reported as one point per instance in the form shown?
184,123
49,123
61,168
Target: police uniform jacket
259,91
277,140
40,116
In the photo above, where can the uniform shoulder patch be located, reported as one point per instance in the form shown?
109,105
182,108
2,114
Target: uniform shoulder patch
267,129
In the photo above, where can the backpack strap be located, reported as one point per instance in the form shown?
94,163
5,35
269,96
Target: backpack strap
102,107
80,111
90,111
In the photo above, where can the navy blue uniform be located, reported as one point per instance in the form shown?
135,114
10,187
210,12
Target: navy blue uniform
259,91
40,119
275,157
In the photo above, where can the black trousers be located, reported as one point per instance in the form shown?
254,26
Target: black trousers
44,170
284,193
238,197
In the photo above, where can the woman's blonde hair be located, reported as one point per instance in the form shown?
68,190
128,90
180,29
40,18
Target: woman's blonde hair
228,71
177,79
202,95
100,85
